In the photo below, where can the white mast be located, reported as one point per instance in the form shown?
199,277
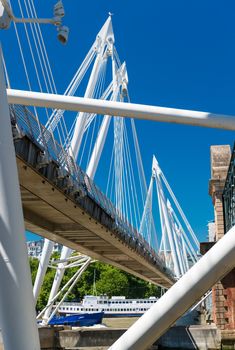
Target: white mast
105,37
166,219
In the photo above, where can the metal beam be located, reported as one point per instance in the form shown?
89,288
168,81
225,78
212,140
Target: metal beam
122,109
181,296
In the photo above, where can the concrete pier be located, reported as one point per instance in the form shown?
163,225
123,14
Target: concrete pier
177,337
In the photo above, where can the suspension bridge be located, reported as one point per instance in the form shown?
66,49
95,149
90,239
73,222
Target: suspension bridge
61,157
62,202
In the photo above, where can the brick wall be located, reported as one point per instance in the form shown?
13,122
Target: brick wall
223,293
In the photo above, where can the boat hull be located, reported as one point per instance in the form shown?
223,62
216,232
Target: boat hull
79,320
114,315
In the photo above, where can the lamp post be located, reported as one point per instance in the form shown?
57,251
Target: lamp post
7,16
17,306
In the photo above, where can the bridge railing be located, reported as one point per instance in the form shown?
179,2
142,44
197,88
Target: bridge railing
229,195
24,123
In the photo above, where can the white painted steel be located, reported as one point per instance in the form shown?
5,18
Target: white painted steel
175,239
82,117
100,141
167,226
122,109
76,141
78,275
83,261
181,296
98,148
42,267
66,252
17,313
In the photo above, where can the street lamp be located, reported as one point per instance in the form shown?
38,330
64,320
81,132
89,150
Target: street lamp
7,16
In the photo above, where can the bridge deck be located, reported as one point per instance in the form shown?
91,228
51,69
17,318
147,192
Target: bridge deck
53,210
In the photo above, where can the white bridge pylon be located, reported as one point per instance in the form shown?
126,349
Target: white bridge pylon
176,249
101,50
179,245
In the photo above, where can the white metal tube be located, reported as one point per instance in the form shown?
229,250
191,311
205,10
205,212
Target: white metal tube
122,109
17,312
180,210
163,226
55,21
98,148
213,266
42,267
175,238
185,260
82,117
101,138
56,296
79,273
190,248
166,220
66,252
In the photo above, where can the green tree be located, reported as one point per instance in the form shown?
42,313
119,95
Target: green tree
33,263
112,282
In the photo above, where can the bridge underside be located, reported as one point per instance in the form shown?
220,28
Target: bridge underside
79,224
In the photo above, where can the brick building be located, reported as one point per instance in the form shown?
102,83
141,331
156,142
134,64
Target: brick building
223,293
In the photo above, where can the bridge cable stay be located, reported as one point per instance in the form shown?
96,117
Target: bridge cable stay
91,169
39,45
177,240
48,247
5,70
42,58
168,229
178,248
26,71
147,224
91,172
48,78
127,197
36,290
127,160
195,241
105,36
191,251
181,211
42,54
71,90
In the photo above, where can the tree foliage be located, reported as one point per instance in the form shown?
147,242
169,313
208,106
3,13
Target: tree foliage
108,280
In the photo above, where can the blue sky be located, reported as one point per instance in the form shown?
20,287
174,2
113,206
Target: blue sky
179,54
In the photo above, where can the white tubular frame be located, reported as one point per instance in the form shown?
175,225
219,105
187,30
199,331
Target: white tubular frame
167,224
72,281
215,264
66,252
122,109
81,119
42,267
17,312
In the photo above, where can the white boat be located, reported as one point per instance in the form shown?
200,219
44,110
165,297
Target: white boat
116,306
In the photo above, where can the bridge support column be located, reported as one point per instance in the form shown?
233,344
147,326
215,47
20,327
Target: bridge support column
66,252
42,267
18,321
223,293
